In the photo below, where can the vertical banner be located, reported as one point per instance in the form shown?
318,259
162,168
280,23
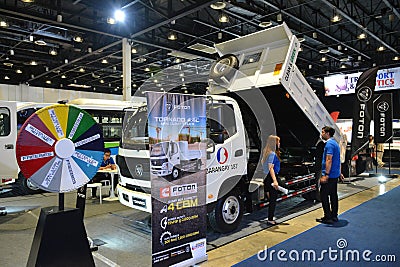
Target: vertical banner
383,118
362,113
176,126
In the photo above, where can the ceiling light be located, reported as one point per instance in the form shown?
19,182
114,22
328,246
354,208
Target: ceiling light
63,76
28,1
279,17
381,48
6,77
104,61
323,59
172,36
94,75
78,39
66,60
59,18
177,60
81,70
315,35
265,24
53,52
4,24
218,5
359,58
223,18
11,52
396,58
101,81
48,82
18,71
339,47
134,50
362,36
147,69
111,21
343,66
90,50
324,51
219,35
119,15
40,42
134,85
336,18
33,63
8,63
79,85
344,59
31,38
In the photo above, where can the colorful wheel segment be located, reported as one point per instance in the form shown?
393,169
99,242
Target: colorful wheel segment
60,148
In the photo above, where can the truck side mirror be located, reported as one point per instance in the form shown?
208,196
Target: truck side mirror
210,146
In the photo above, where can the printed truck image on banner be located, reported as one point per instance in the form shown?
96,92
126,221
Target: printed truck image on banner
177,126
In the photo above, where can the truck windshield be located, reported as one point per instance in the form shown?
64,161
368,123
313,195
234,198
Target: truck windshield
160,149
135,134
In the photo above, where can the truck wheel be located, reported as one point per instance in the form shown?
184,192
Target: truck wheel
225,66
25,186
227,214
176,173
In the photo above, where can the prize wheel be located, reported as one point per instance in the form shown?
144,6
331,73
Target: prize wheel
60,148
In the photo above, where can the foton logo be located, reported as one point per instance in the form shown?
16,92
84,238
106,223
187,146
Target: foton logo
171,107
164,192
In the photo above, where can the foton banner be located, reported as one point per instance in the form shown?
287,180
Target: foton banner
362,113
176,125
383,117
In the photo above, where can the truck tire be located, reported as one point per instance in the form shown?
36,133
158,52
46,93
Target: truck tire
227,214
176,173
225,66
25,187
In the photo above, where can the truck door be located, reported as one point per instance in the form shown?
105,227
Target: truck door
8,137
173,154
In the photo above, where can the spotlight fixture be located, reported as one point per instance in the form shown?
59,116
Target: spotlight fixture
362,36
177,60
90,50
339,47
28,1
223,18
119,15
63,76
219,35
66,60
78,39
324,51
11,52
31,38
48,82
147,69
111,20
59,18
104,61
359,58
3,23
18,71
218,5
336,18
343,66
101,81
381,48
265,24
301,38
81,70
33,63
53,52
40,42
134,50
315,35
279,17
6,77
172,36
344,59
396,58
323,59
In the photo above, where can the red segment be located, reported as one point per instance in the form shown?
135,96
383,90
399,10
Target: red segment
27,139
29,167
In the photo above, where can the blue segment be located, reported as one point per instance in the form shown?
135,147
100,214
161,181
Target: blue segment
89,169
114,150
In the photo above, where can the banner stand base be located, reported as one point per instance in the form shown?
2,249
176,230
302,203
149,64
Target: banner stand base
60,240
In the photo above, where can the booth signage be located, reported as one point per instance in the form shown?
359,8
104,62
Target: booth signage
176,124
383,117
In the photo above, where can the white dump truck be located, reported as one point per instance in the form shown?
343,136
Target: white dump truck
172,158
259,91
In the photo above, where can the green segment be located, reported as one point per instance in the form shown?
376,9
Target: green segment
111,144
86,122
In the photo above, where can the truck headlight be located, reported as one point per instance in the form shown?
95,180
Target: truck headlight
164,165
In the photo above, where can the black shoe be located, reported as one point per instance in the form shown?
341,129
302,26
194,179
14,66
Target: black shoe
324,220
335,219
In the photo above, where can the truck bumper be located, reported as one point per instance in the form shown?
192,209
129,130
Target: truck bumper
160,172
134,199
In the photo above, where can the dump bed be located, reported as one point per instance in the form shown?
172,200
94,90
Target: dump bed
267,62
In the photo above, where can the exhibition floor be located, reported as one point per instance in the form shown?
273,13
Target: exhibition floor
123,237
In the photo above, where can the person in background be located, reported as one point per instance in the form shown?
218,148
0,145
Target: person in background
271,167
331,173
379,155
370,152
107,163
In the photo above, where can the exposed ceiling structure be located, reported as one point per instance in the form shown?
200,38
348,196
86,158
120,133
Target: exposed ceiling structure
76,44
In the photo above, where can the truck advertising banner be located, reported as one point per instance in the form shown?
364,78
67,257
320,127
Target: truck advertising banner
383,117
177,126
386,79
362,112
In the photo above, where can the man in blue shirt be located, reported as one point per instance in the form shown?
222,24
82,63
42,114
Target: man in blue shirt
107,163
331,173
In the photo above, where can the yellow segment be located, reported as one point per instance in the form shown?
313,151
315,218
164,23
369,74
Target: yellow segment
56,124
